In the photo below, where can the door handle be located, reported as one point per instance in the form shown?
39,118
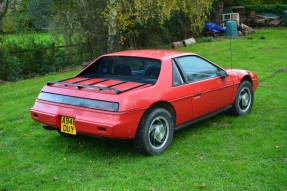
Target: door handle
197,94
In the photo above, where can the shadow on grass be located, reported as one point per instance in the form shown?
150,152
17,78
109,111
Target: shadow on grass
92,146
102,148
220,120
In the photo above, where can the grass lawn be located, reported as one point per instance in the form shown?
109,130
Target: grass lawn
222,153
23,39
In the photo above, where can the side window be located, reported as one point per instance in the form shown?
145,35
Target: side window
176,77
196,68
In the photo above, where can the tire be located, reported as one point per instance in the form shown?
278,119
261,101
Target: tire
155,132
244,99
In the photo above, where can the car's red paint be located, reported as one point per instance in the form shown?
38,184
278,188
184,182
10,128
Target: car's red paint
189,101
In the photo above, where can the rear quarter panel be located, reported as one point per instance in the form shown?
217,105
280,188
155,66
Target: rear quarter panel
162,91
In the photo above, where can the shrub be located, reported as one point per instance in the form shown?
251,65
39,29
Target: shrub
274,8
7,25
32,58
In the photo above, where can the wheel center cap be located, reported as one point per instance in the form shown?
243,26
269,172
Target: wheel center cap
159,133
245,99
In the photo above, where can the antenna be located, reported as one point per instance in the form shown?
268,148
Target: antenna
233,34
231,51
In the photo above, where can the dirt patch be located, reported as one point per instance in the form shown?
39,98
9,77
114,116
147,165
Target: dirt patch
2,82
271,48
281,70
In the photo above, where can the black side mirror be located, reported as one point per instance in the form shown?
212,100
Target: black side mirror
222,74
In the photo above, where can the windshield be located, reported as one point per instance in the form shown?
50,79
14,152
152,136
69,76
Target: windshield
125,68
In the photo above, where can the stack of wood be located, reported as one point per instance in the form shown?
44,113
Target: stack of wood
255,19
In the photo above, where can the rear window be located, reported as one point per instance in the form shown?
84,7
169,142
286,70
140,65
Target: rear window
121,67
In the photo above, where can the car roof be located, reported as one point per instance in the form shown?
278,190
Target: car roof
155,54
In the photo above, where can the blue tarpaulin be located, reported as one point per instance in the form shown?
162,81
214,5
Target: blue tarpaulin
212,27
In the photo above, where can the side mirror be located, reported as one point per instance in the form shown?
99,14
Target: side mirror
222,74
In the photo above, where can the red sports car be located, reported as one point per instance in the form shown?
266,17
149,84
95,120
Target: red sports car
144,95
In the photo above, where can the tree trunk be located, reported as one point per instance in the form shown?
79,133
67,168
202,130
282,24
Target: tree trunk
3,8
112,27
218,7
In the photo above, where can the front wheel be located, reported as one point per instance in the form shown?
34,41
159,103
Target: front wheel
244,99
155,132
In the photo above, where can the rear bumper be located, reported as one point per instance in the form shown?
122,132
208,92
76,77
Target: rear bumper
119,125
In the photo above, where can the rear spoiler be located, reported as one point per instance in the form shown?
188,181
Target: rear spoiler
100,88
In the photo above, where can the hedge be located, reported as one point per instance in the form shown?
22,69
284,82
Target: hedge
274,8
31,59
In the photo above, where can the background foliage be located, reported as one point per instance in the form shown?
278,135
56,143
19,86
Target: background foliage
31,58
27,56
97,24
259,2
274,8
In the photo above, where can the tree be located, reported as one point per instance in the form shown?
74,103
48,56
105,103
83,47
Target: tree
17,17
157,12
86,20
217,9
3,8
112,25
39,13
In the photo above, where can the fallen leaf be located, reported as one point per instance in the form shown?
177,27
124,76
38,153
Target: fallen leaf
81,173
55,178
203,185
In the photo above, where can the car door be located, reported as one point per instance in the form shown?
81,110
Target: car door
209,85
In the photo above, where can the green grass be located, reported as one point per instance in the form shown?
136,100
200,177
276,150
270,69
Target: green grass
222,153
23,39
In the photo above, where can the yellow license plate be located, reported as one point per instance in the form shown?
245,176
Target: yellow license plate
68,125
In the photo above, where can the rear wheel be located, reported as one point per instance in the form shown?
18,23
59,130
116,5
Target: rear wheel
244,99
155,132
